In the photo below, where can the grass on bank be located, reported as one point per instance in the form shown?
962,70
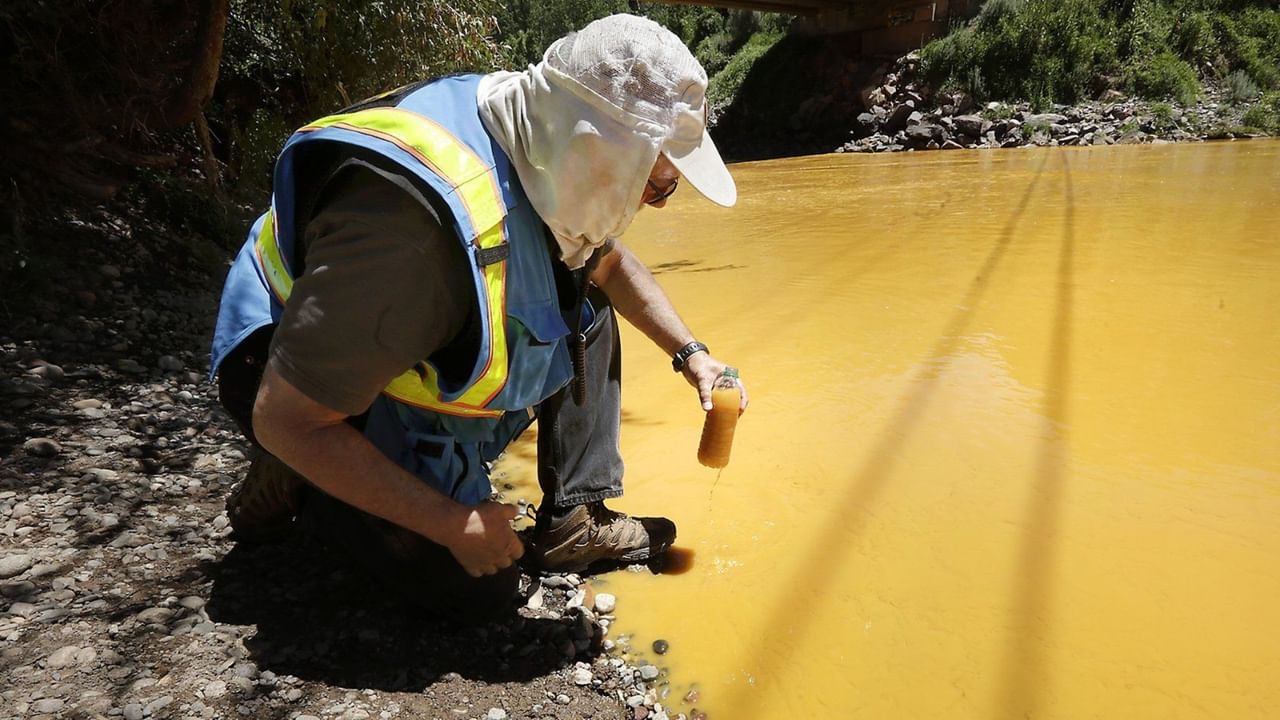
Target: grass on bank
1064,51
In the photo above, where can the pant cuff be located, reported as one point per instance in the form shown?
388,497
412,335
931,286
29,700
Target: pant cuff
584,498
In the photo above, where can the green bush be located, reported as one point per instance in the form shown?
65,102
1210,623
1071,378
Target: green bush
1251,41
1162,117
992,11
285,63
1164,76
1265,115
1039,50
1240,87
1061,50
725,85
1194,39
714,52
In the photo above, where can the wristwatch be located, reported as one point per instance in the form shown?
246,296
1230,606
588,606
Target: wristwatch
678,360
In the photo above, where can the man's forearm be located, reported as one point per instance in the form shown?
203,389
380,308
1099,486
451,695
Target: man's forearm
636,296
340,461
314,440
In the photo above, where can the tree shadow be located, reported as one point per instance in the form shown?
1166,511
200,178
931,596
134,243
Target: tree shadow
1023,675
320,620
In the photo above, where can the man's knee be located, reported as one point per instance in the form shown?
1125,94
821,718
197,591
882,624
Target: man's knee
419,572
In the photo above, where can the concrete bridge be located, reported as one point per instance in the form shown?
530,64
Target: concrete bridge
885,27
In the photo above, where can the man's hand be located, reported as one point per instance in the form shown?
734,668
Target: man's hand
486,543
701,370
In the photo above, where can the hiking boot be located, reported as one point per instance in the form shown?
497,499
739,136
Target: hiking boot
262,507
592,533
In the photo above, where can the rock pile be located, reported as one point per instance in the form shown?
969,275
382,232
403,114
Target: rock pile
905,115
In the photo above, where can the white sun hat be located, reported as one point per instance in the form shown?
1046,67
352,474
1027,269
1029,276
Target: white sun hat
642,69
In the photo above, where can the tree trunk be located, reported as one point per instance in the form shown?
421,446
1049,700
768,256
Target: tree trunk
189,100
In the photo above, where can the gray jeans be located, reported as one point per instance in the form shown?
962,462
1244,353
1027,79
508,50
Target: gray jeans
579,459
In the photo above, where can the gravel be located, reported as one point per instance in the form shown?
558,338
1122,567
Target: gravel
121,593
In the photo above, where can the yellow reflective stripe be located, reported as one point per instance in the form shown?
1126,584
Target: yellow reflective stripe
434,147
423,391
476,186
270,259
494,376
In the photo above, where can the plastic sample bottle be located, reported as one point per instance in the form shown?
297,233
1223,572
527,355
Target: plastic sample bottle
717,429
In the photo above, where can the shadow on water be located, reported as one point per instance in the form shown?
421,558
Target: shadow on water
319,620
689,266
675,561
780,634
1024,677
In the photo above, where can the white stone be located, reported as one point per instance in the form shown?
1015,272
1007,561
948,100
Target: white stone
63,656
11,565
215,689
605,602
48,705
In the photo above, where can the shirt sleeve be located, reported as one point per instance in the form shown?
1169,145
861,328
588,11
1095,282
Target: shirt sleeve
385,286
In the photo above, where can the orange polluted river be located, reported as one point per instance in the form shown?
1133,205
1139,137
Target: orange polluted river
1013,448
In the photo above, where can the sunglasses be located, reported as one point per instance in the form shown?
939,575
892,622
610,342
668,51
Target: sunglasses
660,194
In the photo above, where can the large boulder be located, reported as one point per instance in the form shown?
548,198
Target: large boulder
897,119
921,134
971,125
865,125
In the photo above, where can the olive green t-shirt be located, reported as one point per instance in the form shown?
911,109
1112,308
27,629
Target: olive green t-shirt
385,285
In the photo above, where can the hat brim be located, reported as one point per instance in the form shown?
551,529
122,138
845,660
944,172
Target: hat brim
702,168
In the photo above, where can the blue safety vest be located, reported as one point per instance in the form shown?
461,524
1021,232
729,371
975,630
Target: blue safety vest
443,429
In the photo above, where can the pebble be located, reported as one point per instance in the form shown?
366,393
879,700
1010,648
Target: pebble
62,657
605,603
581,676
133,711
563,699
215,689
649,672
157,705
496,714
48,705
41,447
661,646
12,565
157,615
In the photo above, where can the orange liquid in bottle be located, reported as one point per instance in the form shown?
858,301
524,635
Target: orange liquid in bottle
717,429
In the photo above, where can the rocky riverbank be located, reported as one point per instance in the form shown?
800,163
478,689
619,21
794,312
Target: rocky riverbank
121,593
905,115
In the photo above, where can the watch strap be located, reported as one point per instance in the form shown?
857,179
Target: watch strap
682,355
